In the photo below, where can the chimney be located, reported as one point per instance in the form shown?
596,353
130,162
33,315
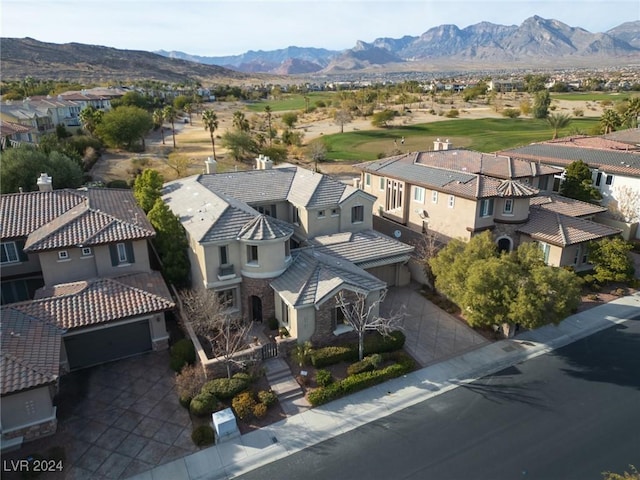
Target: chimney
446,145
267,163
210,165
356,182
436,144
44,183
260,162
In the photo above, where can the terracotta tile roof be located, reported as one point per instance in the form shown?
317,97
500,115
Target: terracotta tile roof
30,351
10,128
100,300
630,136
65,218
599,143
562,230
566,206
511,188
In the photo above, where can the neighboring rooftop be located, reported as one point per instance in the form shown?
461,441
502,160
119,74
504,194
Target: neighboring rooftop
30,351
566,206
562,230
99,300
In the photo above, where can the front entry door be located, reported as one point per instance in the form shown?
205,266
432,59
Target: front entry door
256,308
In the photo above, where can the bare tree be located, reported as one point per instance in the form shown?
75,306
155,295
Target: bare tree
627,207
341,117
208,315
361,316
426,250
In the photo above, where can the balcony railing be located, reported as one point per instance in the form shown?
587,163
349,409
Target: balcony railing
226,271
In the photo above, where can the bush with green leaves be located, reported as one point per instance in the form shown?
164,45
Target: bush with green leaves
355,383
243,405
268,397
367,364
322,357
224,388
244,376
182,353
324,377
375,343
260,410
202,435
203,404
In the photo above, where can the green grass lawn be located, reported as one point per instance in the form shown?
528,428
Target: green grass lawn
484,135
593,96
292,102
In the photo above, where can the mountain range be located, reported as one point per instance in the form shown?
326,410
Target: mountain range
537,40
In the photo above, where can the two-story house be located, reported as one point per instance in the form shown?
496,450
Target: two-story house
76,260
250,232
614,160
457,193
14,134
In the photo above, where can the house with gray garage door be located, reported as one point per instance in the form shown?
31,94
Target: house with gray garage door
282,242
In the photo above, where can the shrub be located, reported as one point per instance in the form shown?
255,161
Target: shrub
378,343
224,388
324,377
355,383
243,405
117,184
268,397
189,382
182,353
203,404
365,365
202,435
453,113
185,402
260,410
511,112
283,332
244,376
331,355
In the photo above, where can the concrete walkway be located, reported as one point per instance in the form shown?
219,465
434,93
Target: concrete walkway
298,432
290,395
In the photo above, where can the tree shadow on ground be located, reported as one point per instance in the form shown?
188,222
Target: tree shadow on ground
500,393
609,357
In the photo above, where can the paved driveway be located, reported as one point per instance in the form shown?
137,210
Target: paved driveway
118,419
432,334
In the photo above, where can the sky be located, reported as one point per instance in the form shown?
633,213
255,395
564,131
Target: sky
231,27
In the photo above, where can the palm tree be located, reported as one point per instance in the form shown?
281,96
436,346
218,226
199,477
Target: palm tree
210,121
90,117
558,121
158,119
188,108
169,114
632,112
267,110
240,122
610,120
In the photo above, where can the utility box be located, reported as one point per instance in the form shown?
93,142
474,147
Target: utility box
225,425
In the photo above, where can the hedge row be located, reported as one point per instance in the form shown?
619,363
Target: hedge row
356,382
377,343
225,388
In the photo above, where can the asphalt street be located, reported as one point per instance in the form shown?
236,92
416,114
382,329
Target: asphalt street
572,413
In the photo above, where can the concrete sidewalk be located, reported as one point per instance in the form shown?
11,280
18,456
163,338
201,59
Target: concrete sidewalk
298,432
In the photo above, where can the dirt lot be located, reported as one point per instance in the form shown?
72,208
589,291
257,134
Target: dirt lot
194,142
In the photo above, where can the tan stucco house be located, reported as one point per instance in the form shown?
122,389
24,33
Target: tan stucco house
249,232
456,193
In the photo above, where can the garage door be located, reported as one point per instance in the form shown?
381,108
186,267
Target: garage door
107,344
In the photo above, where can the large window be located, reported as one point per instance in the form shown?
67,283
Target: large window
9,253
546,249
609,180
543,182
486,207
367,179
224,255
252,254
227,298
395,191
418,194
507,209
121,253
357,214
284,313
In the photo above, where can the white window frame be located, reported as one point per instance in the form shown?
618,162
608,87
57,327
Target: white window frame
87,252
252,259
321,214
353,210
546,251
434,196
608,180
63,255
452,201
505,210
122,253
230,293
10,256
381,185
486,207
418,194
367,179
335,212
